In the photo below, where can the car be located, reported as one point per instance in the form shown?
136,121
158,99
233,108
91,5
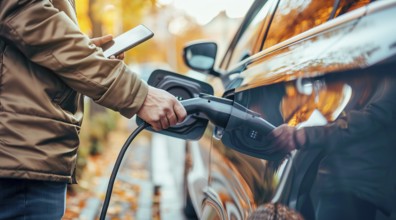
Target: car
303,63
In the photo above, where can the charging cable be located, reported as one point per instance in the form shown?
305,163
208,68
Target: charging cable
117,164
244,131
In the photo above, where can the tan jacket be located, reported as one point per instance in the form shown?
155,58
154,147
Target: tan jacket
46,64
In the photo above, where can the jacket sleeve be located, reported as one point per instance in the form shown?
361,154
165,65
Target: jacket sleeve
378,115
48,37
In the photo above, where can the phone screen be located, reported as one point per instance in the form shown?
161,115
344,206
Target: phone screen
127,40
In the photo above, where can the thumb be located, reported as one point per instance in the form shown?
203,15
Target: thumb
98,41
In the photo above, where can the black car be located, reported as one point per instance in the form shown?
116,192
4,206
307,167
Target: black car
303,63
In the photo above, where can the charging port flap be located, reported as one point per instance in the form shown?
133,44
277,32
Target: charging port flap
183,88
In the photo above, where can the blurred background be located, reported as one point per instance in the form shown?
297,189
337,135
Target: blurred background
174,23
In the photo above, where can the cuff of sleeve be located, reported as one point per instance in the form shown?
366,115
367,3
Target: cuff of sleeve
314,136
126,94
321,136
299,138
137,101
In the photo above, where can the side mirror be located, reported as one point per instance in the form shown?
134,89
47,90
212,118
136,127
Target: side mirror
183,87
201,57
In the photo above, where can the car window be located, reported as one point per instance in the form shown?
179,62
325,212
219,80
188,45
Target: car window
293,17
350,5
248,37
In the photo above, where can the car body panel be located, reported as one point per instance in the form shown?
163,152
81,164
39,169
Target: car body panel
309,79
198,172
341,44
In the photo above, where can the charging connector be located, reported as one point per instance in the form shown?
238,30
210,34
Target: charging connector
238,127
244,131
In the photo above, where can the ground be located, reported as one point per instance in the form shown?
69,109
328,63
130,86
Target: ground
147,186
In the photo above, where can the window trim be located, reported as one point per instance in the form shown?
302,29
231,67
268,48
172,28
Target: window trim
252,12
338,21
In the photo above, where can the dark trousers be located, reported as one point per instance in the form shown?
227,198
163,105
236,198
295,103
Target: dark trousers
344,206
31,200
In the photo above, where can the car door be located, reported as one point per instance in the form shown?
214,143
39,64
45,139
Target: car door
283,81
264,80
225,197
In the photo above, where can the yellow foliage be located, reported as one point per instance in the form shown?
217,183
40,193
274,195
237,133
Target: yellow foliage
118,16
115,17
82,16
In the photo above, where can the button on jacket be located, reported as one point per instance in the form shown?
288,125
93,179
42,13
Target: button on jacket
46,65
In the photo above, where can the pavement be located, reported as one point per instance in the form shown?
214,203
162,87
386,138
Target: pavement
167,174
148,185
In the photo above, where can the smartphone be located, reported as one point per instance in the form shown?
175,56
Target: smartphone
127,40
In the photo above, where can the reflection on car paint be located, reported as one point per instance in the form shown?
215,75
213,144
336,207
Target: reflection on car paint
300,82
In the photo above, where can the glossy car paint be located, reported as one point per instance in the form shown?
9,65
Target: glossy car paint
301,81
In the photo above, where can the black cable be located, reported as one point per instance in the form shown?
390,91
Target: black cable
117,164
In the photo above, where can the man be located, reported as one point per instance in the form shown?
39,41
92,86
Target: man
358,175
46,64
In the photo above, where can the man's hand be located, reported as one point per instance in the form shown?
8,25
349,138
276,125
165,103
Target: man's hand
161,109
285,139
99,41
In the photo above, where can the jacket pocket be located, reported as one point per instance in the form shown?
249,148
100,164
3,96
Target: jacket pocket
69,101
66,99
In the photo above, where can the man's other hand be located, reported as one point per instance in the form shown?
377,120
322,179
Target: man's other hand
99,41
161,109
284,139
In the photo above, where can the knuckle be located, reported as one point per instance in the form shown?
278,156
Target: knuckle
160,115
